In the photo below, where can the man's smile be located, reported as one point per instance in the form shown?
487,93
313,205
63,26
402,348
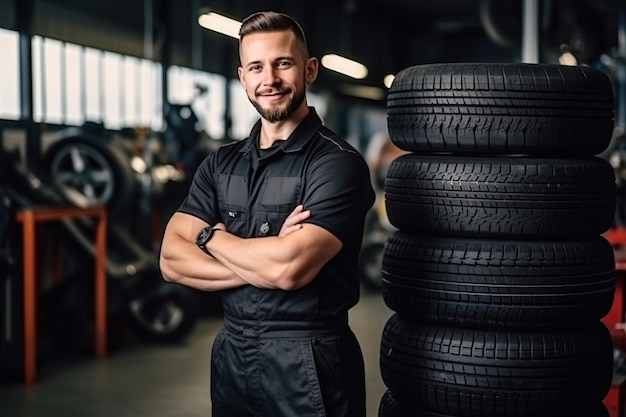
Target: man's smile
274,94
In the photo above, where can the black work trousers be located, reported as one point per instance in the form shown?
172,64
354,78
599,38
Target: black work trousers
287,370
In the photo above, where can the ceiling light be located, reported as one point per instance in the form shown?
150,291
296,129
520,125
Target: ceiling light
219,23
344,66
388,80
363,91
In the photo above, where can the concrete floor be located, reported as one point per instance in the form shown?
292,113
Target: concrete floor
163,381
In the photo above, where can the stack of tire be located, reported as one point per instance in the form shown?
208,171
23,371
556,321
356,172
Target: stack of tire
498,275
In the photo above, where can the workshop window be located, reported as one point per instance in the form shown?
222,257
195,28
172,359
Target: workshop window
9,75
73,84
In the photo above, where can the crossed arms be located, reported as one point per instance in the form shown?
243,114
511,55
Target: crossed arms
288,261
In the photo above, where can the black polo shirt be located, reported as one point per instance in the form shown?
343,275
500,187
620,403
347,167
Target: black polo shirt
252,191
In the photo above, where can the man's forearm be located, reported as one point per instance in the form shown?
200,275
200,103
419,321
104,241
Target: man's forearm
276,262
189,266
262,262
250,259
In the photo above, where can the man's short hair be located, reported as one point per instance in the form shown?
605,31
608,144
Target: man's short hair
272,22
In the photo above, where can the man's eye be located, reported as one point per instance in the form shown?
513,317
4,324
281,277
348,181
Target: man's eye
284,63
255,68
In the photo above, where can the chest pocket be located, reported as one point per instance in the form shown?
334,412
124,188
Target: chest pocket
280,197
233,198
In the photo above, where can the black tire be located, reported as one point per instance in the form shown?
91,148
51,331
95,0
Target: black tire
391,407
94,167
501,108
476,373
167,315
501,197
497,283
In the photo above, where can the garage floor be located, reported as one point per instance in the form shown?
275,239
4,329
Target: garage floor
162,381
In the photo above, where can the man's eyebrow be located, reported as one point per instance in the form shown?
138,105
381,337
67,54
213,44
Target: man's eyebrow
280,58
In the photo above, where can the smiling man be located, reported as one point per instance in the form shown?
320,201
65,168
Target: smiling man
275,223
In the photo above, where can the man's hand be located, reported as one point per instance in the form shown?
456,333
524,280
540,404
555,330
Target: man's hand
294,221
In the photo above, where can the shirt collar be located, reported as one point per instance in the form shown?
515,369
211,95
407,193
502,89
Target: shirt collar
296,141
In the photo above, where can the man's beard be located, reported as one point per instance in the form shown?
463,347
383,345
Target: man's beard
277,114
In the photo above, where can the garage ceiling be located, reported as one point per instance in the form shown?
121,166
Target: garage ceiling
389,35
386,35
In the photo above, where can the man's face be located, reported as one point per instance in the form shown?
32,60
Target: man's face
274,72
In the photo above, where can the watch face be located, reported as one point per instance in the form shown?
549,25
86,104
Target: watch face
203,236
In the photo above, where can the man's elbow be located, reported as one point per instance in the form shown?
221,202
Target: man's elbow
167,272
291,280
288,285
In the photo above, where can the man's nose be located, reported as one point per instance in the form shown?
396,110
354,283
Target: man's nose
270,76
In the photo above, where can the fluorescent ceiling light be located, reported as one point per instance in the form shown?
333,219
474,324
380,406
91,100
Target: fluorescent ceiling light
344,66
219,23
363,91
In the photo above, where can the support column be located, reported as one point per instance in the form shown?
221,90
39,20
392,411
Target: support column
530,31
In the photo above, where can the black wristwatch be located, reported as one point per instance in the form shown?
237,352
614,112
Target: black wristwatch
203,238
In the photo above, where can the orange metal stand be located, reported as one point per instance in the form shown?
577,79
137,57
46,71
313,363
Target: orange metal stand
30,218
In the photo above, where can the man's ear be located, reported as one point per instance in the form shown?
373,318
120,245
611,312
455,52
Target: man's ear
311,71
240,74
